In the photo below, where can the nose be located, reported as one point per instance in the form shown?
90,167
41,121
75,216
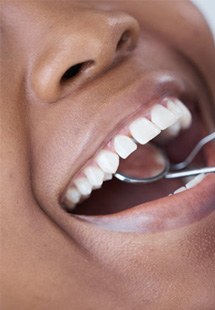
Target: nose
80,51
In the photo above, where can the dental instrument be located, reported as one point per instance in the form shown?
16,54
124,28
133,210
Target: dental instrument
173,171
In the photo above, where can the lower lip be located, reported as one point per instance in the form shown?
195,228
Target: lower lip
163,214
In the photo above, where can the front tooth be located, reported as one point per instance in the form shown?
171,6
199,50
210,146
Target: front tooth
84,187
162,117
107,161
142,130
94,175
73,196
186,119
124,146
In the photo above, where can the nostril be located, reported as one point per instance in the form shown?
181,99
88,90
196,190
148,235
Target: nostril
75,70
124,40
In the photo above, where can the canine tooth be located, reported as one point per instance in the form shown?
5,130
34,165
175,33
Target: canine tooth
124,146
162,117
73,196
84,187
179,190
195,181
186,118
107,161
143,130
94,175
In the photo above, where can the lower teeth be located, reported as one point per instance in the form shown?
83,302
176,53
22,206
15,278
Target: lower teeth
192,183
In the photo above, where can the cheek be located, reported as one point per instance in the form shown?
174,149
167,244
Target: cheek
57,138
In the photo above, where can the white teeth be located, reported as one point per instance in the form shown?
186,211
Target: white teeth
107,161
195,181
162,117
170,133
73,196
142,130
84,187
170,119
179,190
174,129
186,119
108,176
94,175
173,107
124,146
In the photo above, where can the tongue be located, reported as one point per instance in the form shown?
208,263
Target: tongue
146,162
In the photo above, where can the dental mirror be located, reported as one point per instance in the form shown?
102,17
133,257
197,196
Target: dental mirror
149,163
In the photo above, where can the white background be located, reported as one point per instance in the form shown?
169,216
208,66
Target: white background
207,7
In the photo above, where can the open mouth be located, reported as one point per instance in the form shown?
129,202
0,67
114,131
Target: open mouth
94,195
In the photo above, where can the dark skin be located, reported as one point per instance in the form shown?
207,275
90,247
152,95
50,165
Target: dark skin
51,260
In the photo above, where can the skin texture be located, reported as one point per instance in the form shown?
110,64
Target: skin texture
52,261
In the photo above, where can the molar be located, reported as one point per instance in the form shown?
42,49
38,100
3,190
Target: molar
73,197
83,185
95,176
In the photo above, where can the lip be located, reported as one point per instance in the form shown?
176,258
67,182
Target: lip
137,98
163,214
169,212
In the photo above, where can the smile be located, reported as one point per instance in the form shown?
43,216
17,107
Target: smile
94,196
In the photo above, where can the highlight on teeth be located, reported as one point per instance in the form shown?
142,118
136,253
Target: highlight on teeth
124,146
84,187
162,117
167,118
143,130
186,118
174,107
73,197
94,175
108,176
108,161
195,181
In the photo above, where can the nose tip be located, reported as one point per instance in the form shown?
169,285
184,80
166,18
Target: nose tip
85,53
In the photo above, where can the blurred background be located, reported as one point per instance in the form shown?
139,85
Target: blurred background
208,9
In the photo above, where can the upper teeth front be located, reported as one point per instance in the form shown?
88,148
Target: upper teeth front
170,115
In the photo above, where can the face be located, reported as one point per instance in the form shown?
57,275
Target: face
84,84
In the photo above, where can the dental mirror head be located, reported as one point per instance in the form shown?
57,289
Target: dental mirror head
149,163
